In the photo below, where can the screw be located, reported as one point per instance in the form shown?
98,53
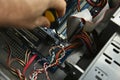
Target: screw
74,73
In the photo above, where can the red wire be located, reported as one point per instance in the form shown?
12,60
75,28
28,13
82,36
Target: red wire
87,43
29,63
85,39
9,52
78,5
66,48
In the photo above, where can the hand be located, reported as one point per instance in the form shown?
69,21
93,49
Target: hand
28,13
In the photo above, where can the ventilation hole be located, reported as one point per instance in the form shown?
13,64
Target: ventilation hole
98,72
106,60
95,69
116,51
115,45
107,56
117,63
102,74
98,78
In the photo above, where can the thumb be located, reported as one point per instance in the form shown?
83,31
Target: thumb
42,21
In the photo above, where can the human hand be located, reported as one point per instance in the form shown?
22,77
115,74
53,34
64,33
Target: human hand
28,13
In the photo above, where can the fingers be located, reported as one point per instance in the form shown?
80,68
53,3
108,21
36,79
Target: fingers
30,22
40,21
59,5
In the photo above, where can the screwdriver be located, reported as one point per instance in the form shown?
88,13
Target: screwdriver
52,16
